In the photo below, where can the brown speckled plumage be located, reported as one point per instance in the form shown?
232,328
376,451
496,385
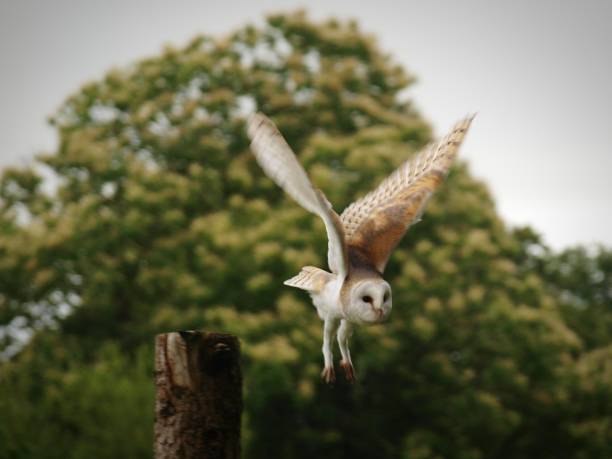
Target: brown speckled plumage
375,223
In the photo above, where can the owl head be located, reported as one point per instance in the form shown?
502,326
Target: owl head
369,301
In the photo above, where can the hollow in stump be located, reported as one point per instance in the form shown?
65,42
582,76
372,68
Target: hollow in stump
199,396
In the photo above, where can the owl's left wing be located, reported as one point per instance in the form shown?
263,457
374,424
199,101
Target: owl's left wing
375,223
278,161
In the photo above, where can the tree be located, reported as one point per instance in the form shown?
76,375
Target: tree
161,220
583,280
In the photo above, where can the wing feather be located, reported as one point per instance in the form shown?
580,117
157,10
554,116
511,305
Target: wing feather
310,278
278,161
375,224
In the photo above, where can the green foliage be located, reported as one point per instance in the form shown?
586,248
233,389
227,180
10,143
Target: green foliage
57,403
161,220
583,281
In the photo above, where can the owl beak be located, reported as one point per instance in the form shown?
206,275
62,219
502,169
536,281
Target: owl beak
377,307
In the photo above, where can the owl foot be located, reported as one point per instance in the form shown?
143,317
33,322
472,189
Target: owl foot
349,371
328,375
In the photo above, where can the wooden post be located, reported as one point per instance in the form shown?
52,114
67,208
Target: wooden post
199,396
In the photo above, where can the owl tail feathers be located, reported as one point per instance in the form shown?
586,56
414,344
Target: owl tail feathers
310,278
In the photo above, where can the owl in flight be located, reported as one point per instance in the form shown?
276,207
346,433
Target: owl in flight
360,240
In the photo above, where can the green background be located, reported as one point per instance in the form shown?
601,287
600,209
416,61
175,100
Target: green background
157,218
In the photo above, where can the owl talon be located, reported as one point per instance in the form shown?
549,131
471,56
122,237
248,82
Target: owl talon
328,375
349,371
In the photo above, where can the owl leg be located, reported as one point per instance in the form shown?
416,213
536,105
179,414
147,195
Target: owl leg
344,333
329,328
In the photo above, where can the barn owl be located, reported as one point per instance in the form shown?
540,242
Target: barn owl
361,239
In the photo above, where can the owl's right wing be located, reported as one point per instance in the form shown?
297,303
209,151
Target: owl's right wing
278,161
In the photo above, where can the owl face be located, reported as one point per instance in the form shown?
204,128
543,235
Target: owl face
369,302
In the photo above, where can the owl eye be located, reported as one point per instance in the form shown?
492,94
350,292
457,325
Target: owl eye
366,299
386,297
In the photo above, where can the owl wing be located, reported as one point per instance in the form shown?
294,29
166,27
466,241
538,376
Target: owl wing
278,161
375,224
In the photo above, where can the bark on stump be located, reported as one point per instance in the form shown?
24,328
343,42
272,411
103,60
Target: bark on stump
199,396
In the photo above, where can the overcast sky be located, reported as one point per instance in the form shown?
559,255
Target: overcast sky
539,74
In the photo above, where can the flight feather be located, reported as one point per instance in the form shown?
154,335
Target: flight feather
279,162
375,223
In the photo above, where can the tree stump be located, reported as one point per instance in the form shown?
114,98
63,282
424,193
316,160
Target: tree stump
199,396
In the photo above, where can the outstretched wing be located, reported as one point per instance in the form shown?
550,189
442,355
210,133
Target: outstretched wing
277,160
375,224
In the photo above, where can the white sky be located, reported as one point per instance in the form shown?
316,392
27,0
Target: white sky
539,73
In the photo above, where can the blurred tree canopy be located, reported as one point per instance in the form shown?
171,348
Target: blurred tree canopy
159,219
